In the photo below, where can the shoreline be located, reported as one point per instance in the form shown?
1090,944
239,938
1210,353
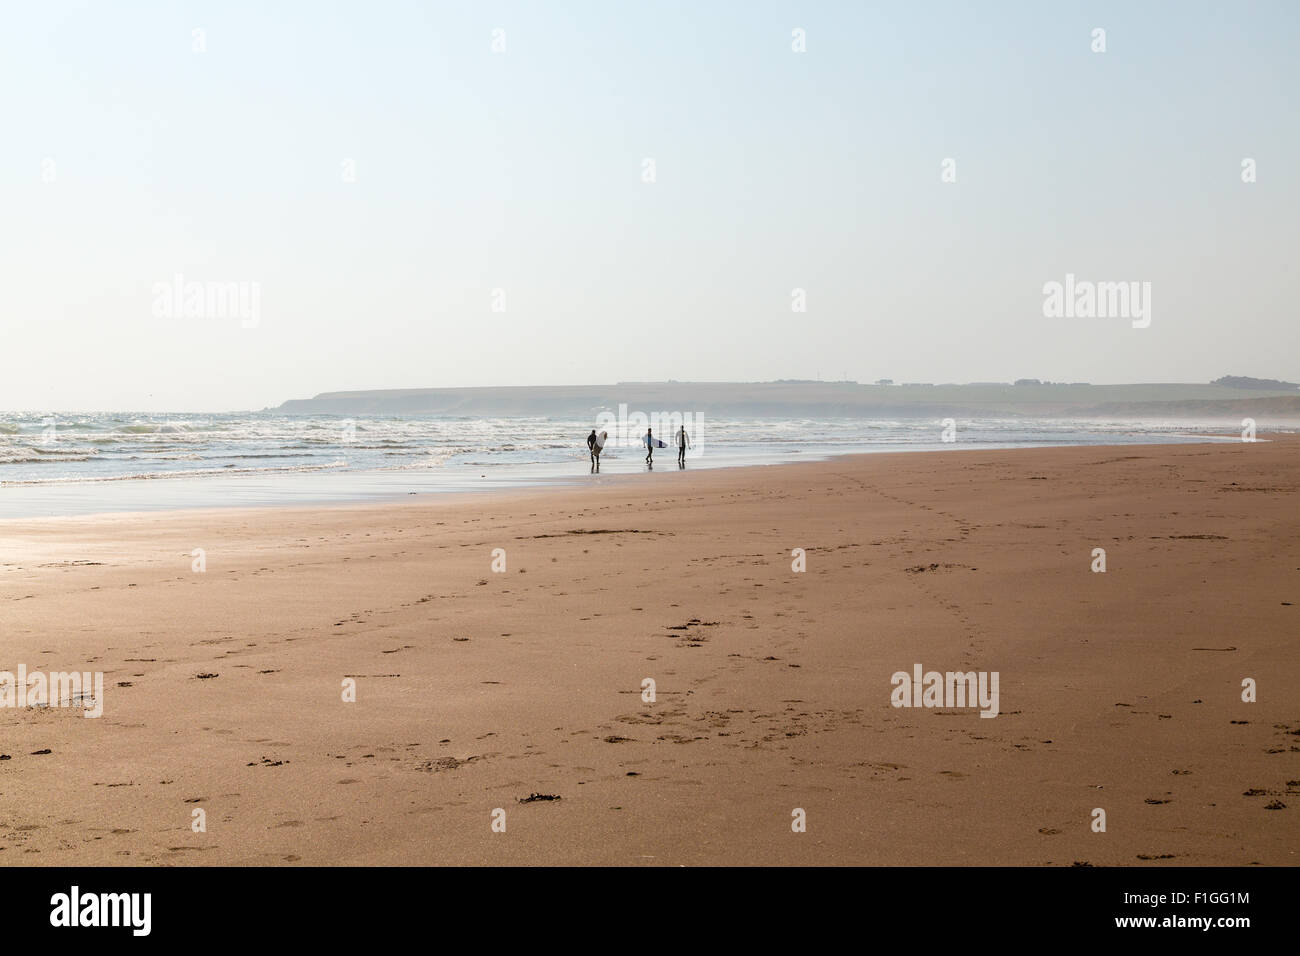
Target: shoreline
549,484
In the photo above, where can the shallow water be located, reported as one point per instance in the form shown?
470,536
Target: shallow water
84,464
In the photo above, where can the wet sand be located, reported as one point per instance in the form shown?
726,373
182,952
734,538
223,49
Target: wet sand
477,690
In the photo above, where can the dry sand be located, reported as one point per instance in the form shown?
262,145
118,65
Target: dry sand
477,689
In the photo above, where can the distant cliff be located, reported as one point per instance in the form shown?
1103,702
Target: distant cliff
817,399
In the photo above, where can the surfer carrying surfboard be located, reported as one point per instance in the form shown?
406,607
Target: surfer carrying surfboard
683,440
651,443
595,443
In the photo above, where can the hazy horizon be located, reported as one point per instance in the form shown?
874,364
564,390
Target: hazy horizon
1030,392
435,196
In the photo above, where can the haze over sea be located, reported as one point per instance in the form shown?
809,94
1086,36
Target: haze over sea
112,462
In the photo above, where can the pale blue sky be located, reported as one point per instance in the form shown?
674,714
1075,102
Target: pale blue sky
522,171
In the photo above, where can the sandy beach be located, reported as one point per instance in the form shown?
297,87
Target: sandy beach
480,690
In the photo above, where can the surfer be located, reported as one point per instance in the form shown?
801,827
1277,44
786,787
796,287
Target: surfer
594,446
649,447
683,440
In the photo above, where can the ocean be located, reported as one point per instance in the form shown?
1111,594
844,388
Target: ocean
67,464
